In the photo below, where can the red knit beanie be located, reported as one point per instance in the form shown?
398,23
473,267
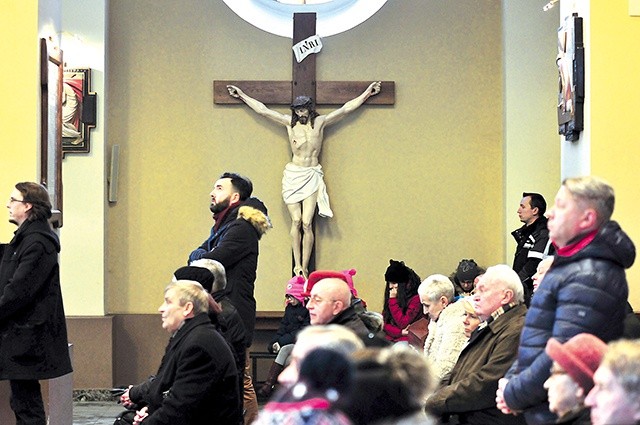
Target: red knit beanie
580,356
345,276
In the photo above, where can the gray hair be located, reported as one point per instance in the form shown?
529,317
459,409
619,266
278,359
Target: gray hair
623,360
436,286
190,291
508,277
594,192
332,337
217,269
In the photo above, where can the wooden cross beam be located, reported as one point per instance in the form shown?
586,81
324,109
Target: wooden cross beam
304,80
303,84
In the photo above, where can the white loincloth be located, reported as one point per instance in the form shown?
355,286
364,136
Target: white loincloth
298,183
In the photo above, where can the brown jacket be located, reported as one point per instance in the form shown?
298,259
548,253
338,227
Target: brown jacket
474,379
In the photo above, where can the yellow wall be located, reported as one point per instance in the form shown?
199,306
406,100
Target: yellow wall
615,102
19,110
420,181
531,147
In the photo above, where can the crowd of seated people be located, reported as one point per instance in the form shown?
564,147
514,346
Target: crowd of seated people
488,358
344,369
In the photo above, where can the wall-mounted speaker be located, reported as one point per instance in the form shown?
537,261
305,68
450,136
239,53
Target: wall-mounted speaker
112,180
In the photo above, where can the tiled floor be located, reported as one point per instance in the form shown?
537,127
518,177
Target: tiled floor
95,412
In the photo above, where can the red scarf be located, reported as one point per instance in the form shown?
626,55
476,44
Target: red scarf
219,217
571,249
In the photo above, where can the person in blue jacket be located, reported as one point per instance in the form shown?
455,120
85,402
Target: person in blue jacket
584,291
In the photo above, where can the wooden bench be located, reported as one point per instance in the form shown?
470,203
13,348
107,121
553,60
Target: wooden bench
255,357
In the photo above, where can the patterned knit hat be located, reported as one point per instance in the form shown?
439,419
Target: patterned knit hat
467,271
579,357
295,288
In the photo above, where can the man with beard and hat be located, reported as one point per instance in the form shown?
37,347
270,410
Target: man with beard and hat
240,222
302,183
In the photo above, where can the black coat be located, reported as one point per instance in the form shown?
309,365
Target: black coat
196,383
584,292
295,318
33,332
234,243
532,242
351,319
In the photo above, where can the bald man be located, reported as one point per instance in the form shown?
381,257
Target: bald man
330,303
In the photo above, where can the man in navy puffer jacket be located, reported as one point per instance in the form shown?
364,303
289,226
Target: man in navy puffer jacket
585,290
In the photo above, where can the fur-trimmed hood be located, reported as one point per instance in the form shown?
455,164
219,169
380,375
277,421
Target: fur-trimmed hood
255,212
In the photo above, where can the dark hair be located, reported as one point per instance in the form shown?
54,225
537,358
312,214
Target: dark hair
537,201
324,369
388,384
38,197
303,102
241,184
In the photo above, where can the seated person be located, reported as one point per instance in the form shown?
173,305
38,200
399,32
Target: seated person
446,330
470,391
330,302
333,337
197,379
401,301
224,316
296,317
615,397
571,379
390,387
471,320
541,270
631,328
325,377
464,278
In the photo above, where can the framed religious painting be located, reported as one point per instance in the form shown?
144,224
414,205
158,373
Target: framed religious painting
78,111
570,61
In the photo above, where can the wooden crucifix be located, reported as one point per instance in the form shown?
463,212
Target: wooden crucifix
303,183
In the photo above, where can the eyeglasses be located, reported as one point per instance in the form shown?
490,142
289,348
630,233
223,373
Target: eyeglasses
317,300
12,199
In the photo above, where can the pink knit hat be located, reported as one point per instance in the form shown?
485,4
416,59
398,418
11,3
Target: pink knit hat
580,356
318,275
295,288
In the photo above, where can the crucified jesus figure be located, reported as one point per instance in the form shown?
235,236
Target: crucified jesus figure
303,180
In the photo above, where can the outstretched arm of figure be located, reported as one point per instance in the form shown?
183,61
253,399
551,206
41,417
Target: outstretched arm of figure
353,104
258,106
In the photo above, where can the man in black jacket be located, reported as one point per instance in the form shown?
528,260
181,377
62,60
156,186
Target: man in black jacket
33,332
240,221
532,239
196,383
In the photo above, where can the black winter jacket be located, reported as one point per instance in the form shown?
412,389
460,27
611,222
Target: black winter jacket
234,243
295,318
584,292
33,331
532,242
196,383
